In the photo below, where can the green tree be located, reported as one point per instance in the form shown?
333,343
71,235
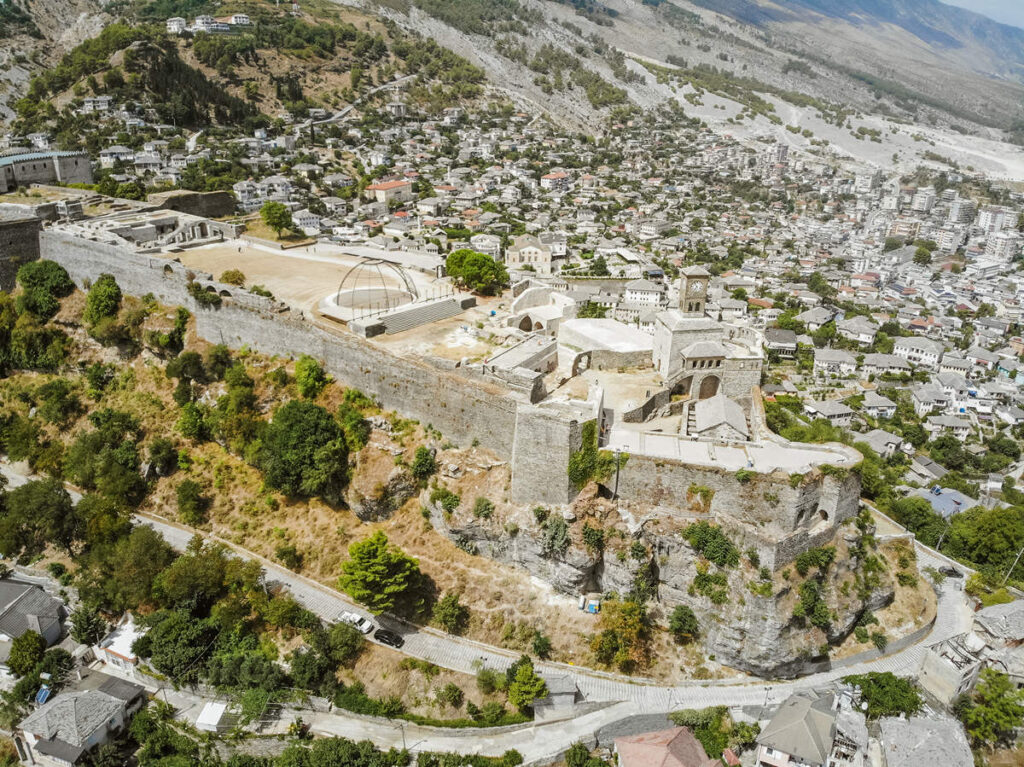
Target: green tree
477,272
87,626
886,694
192,504
119,576
26,652
994,712
591,310
176,644
683,624
310,377
450,614
526,687
277,216
35,515
102,301
379,575
43,283
345,643
424,465
303,452
163,456
922,256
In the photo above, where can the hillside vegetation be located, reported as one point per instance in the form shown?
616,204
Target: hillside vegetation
284,64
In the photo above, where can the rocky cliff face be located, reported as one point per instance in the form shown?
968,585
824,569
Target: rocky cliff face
744,630
42,32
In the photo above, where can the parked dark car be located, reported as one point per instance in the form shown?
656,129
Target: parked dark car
390,638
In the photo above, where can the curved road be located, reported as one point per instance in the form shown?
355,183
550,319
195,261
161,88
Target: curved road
461,654
630,696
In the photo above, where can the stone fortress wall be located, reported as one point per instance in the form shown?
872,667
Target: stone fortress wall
19,243
766,512
470,410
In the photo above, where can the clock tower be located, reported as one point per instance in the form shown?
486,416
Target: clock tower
693,290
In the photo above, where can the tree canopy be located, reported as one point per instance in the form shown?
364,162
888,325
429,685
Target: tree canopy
303,452
379,575
476,271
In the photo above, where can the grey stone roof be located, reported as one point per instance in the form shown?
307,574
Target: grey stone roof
703,349
718,410
24,606
72,717
1004,622
804,727
920,742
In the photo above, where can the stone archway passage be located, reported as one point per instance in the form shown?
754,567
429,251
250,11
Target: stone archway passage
709,387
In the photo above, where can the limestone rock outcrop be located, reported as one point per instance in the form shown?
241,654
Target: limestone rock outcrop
747,631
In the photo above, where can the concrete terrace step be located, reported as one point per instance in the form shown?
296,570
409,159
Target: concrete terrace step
419,314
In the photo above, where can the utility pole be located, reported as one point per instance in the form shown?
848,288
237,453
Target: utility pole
938,546
1019,553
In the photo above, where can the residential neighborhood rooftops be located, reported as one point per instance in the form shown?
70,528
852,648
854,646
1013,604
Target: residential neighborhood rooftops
675,747
803,727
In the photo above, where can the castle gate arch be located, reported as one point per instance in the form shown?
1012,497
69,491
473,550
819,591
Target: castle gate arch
709,387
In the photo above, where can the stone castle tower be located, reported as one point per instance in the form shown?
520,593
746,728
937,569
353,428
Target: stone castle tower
693,290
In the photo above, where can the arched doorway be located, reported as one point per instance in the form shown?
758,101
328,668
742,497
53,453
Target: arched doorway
708,387
526,324
682,387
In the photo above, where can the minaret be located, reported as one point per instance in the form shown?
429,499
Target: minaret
693,290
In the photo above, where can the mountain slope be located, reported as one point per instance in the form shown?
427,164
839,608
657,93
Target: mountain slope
35,35
974,40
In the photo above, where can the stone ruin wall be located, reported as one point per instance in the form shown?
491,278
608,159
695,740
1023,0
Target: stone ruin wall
19,244
765,513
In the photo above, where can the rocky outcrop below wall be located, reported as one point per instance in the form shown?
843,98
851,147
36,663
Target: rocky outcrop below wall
755,633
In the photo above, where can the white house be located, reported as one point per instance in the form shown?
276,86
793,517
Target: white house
919,351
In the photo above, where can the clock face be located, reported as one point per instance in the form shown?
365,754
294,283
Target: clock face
696,288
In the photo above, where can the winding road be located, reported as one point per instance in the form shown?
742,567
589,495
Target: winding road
629,696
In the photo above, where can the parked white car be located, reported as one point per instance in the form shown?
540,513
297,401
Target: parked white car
362,624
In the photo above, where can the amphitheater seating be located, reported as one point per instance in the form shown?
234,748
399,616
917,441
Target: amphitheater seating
414,315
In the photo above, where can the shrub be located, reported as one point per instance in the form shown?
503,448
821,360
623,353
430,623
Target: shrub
886,694
192,504
483,508
593,538
233,277
103,300
445,498
424,464
450,614
489,680
450,695
820,557
556,536
683,624
310,377
711,543
289,556
541,645
202,296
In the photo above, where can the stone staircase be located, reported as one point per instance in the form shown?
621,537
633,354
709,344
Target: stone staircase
413,316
